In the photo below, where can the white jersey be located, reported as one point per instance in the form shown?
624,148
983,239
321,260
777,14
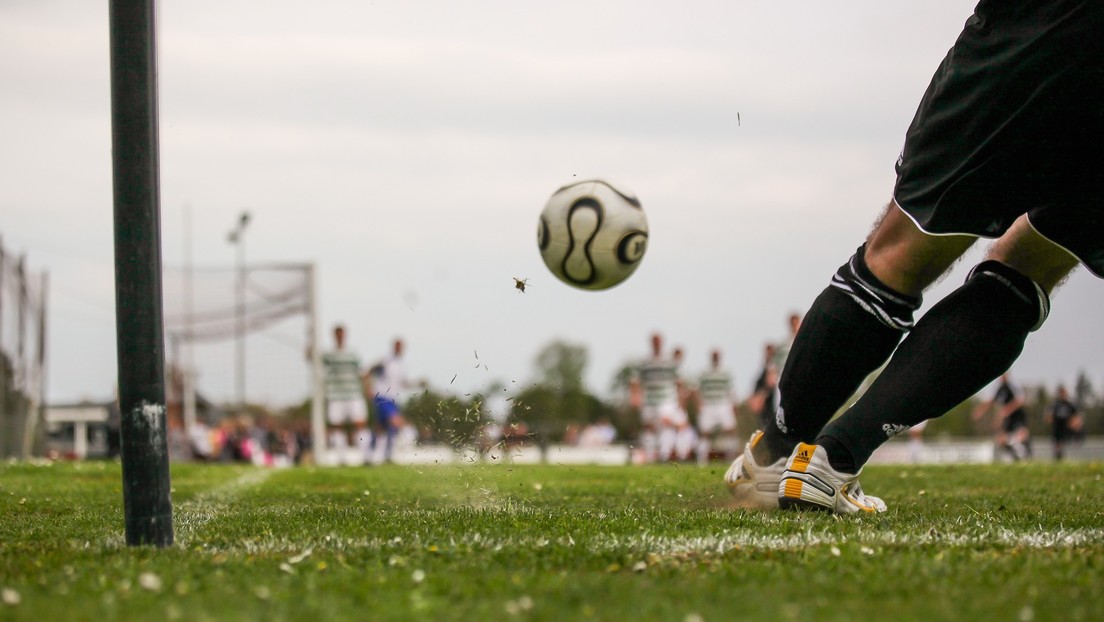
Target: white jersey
781,353
342,376
659,380
392,378
715,387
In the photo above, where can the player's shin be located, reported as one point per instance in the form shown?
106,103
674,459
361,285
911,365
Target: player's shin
850,330
964,342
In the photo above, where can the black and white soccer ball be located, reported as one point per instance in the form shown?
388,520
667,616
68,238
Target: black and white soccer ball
592,234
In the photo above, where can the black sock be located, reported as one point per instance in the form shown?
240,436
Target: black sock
957,348
839,456
851,329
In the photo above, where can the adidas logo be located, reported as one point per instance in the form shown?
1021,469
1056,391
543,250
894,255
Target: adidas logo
802,456
893,429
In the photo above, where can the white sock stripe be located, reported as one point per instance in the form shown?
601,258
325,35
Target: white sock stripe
884,294
880,314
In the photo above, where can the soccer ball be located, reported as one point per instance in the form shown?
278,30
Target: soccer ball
592,234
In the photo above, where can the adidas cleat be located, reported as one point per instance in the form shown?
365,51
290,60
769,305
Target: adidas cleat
809,482
754,486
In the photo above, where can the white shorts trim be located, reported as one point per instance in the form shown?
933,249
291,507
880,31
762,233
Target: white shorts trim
934,234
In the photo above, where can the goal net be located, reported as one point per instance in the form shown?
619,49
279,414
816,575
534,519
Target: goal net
22,356
243,337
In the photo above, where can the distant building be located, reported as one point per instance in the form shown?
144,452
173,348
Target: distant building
79,431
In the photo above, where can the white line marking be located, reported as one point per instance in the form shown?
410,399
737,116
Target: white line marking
191,515
995,538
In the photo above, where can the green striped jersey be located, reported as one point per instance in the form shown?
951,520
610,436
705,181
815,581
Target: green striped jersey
342,376
715,387
659,379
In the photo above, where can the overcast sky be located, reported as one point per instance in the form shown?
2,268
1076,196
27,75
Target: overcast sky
407,148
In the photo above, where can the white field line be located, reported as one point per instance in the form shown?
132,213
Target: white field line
207,505
678,545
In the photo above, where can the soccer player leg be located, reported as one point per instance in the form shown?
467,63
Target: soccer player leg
686,436
388,415
335,421
854,325
962,344
358,415
649,439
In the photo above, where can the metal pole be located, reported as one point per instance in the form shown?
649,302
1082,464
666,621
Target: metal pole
138,314
318,422
237,237
241,320
189,403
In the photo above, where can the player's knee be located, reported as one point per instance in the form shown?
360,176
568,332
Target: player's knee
889,307
1034,298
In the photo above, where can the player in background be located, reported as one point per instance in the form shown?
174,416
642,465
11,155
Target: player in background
764,400
678,437
654,390
1005,144
764,395
916,441
345,403
716,411
1065,421
782,350
1013,435
389,381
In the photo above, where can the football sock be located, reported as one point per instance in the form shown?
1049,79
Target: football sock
850,330
962,344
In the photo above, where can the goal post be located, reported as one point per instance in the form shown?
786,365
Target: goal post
213,314
318,397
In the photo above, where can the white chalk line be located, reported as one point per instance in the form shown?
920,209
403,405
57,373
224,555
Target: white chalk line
193,514
644,543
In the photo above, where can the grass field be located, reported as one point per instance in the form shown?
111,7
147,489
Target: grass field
551,543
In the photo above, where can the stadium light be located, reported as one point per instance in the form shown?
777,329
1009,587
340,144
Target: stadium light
237,238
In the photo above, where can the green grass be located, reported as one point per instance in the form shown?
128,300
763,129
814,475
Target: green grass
552,543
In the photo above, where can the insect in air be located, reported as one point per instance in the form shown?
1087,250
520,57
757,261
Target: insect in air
520,284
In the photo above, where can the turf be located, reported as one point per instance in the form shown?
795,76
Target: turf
501,542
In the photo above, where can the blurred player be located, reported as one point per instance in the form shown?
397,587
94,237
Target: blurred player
1064,420
389,380
717,411
782,350
916,442
1005,144
764,396
655,391
1013,435
677,437
345,403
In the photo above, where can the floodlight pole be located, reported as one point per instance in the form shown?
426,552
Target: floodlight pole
237,238
139,326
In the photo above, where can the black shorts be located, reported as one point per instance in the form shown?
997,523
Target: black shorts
1015,421
1013,123
1062,432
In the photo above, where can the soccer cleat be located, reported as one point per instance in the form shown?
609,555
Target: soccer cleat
754,486
809,482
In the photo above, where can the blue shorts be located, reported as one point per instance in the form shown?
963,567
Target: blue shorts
386,409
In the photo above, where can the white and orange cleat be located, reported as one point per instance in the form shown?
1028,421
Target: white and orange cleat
754,486
809,482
